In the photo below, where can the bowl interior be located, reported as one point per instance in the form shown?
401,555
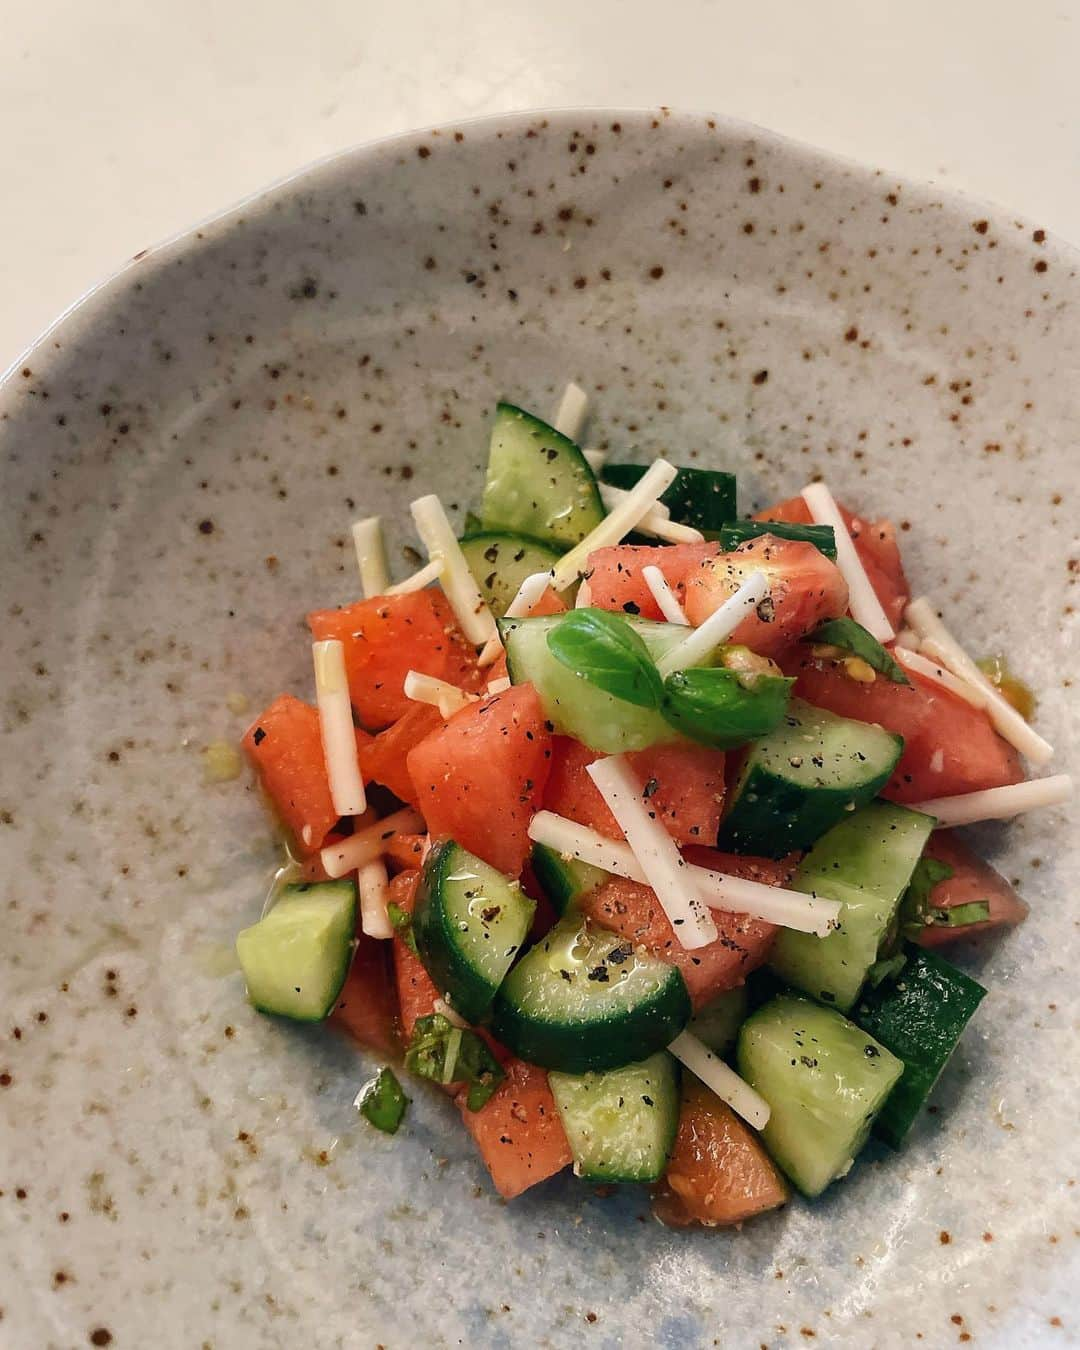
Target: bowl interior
182,457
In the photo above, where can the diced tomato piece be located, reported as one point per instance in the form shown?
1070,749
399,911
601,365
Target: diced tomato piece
415,989
805,588
367,1006
384,759
549,603
688,797
285,745
615,580
518,1131
719,1172
742,944
875,543
480,777
972,880
949,746
387,637
794,511
406,850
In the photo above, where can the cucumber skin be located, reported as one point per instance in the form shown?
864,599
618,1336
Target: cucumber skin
621,1037
562,881
466,989
920,1018
598,1045
770,818
737,532
801,1105
703,498
862,862
660,1074
590,506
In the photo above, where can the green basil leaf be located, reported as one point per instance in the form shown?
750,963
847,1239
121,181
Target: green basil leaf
603,649
736,532
443,1053
854,638
723,708
886,969
401,923
383,1103
916,911
959,916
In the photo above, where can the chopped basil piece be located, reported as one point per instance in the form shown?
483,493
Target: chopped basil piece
382,1102
959,916
443,1053
853,637
603,649
888,969
724,708
401,923
916,911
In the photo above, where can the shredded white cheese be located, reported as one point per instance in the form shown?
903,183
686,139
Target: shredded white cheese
656,521
664,866
373,883
931,670
1000,803
528,595
596,459
490,652
448,698
440,1005
721,623
573,409
649,488
908,639
940,644
499,686
664,596
336,725
426,575
457,581
725,1082
371,556
584,595
366,845
774,904
862,598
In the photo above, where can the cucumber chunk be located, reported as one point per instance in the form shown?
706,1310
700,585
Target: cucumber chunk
825,1081
564,880
737,532
583,999
538,482
919,1017
469,923
501,561
802,778
865,862
620,1124
296,958
573,705
717,1024
703,498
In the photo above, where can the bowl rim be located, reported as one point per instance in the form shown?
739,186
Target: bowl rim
94,300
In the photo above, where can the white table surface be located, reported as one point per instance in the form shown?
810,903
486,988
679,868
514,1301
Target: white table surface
127,120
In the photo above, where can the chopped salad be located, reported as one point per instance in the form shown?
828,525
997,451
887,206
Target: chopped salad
629,823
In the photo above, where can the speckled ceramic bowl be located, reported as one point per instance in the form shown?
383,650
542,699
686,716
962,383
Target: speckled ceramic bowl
181,457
